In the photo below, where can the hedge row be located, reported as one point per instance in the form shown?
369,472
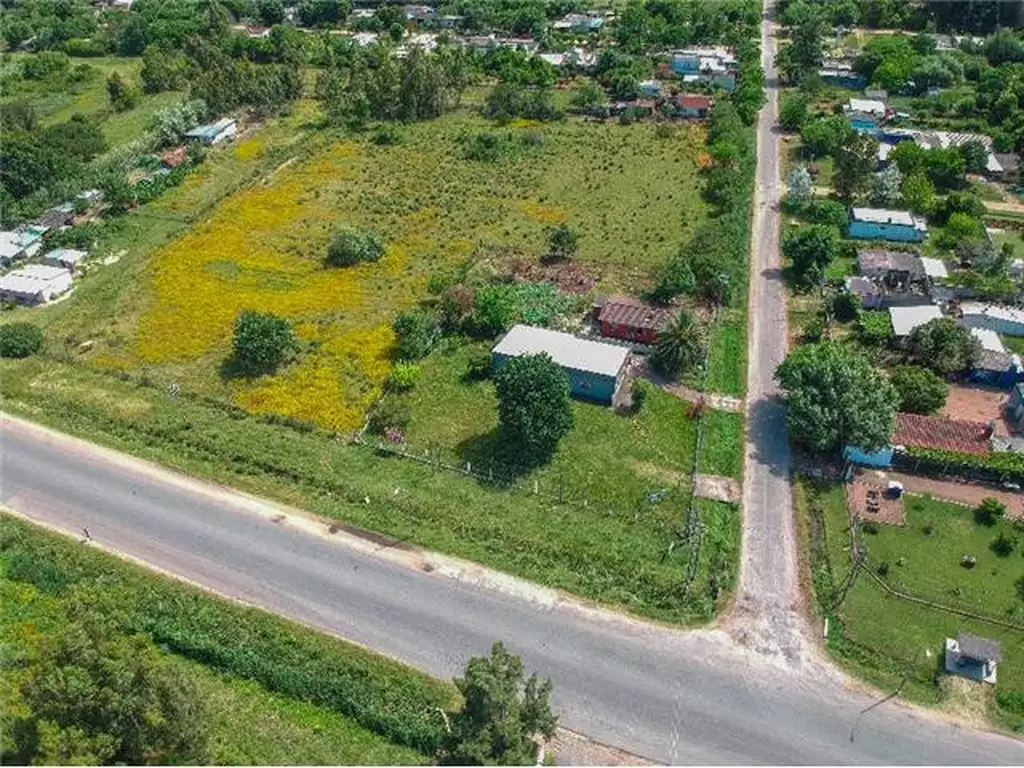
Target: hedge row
1002,466
381,695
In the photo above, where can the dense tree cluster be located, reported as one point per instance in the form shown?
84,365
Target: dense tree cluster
645,25
974,16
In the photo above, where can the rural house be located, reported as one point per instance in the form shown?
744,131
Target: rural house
840,74
996,367
912,430
973,656
214,133
631,319
34,284
866,115
1004,320
894,268
20,244
595,369
710,65
579,22
65,258
693,106
883,224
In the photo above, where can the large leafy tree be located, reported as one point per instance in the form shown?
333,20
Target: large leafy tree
943,345
810,248
856,158
262,342
533,404
99,697
502,715
920,390
835,397
680,346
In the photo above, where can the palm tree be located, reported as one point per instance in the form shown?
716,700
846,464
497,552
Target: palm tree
680,346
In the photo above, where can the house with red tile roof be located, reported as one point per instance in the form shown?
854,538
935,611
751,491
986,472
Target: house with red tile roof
915,431
630,319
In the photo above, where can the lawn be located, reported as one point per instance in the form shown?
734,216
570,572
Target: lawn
57,104
881,637
723,444
609,459
727,361
249,723
633,197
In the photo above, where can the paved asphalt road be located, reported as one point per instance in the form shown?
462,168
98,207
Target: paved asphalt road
710,696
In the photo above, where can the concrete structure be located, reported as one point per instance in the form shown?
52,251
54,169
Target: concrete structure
1004,320
595,369
629,319
710,65
66,258
34,284
870,293
214,133
905,319
934,269
973,657
883,224
650,89
20,244
419,13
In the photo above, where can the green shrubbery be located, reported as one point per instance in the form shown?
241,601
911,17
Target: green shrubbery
20,340
377,693
349,247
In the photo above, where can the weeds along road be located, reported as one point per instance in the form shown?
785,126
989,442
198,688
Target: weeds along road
668,695
747,693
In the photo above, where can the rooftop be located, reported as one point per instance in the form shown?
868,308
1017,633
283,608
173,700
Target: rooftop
694,101
887,216
975,308
565,349
915,431
906,319
934,268
868,106
977,647
880,259
210,130
66,255
990,341
634,313
31,278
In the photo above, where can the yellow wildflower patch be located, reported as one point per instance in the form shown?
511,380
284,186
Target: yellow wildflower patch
250,149
545,214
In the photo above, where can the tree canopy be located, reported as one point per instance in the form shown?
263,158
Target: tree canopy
502,715
679,347
810,248
944,346
835,397
262,342
920,390
533,405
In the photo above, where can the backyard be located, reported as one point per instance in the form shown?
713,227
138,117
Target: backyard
882,637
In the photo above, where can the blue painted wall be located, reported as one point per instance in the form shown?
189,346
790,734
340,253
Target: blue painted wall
1000,379
582,384
879,458
864,126
867,230
1004,326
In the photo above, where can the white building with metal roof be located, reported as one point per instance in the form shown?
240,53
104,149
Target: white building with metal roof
34,284
905,319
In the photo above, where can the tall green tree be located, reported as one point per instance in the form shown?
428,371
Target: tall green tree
810,248
856,158
502,716
836,397
944,346
920,390
98,697
680,346
533,405
123,95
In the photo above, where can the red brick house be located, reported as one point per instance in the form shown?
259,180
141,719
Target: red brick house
629,319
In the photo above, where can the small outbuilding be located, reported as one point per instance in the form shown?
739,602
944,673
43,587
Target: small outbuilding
214,133
595,369
630,319
694,106
20,244
905,319
66,258
973,657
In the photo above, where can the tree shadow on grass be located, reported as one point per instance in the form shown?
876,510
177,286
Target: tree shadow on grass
231,369
496,457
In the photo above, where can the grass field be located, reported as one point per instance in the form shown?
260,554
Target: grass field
880,637
248,722
57,104
632,196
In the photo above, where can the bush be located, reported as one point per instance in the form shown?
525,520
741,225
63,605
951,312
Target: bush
874,328
262,342
403,377
846,306
990,511
389,412
883,568
486,147
350,247
387,136
416,334
1003,545
480,365
869,526
639,395
20,340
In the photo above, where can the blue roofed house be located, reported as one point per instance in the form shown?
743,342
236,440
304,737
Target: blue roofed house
650,89
884,224
595,369
866,115
1003,320
708,65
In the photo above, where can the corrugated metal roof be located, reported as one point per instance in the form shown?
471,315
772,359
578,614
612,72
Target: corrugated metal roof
621,310
934,268
884,260
977,647
974,309
906,319
886,216
913,430
565,349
